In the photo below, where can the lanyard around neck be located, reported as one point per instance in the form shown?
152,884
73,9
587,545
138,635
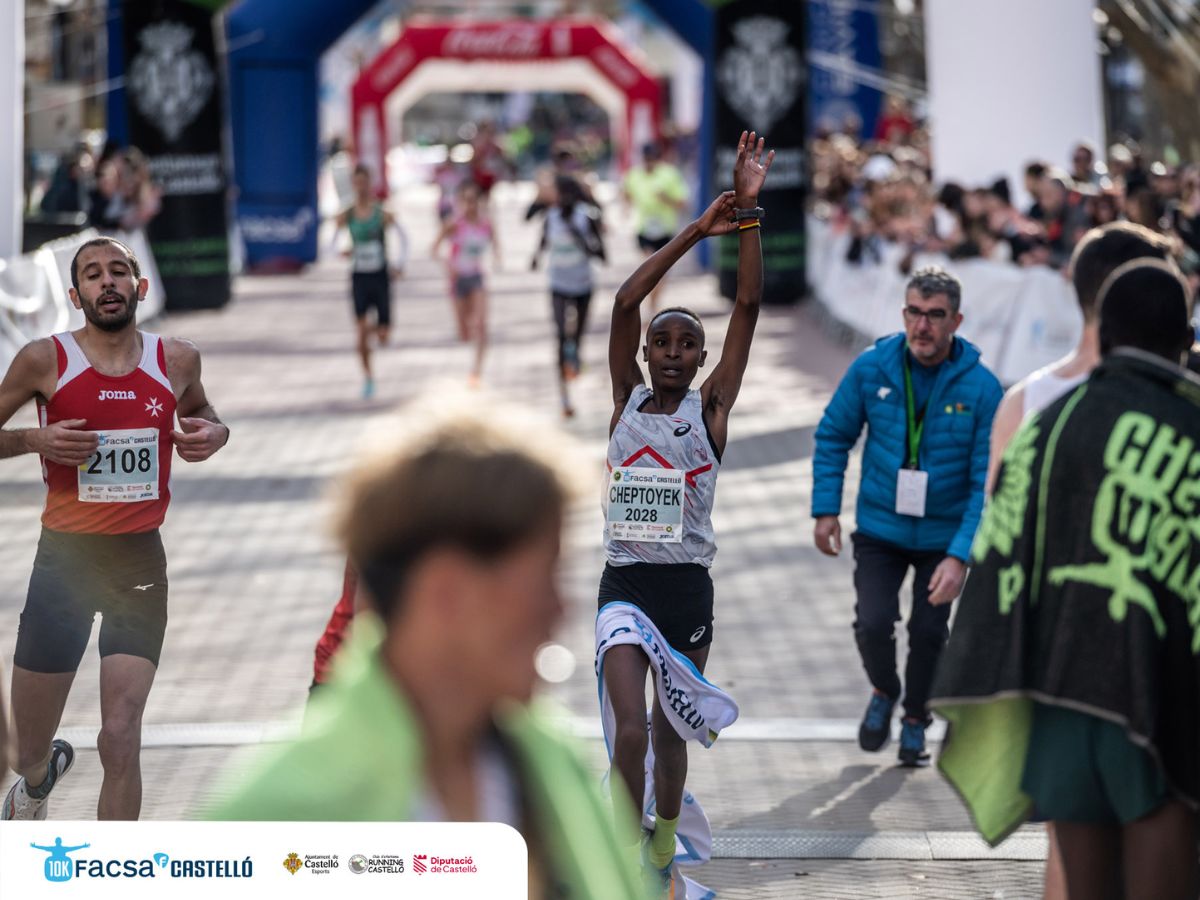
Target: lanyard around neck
915,422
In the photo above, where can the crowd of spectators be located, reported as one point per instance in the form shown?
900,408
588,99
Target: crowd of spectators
881,190
114,189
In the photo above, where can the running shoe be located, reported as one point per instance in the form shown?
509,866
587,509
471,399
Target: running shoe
876,727
661,880
26,803
664,881
912,744
571,363
368,389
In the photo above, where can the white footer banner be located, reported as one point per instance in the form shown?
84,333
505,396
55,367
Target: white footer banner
417,860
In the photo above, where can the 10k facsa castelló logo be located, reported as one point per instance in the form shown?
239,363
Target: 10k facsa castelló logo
59,866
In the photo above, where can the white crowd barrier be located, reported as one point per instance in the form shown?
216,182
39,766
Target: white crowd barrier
1020,318
33,290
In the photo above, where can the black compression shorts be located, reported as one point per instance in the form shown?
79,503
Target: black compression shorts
677,597
121,576
372,291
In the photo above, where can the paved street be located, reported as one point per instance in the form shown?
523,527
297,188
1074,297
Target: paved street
254,572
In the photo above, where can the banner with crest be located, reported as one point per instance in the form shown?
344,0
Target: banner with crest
173,97
761,80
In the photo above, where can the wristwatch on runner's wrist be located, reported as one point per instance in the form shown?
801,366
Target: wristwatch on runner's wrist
742,215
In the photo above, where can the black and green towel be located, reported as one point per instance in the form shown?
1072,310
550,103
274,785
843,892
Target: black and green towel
1085,587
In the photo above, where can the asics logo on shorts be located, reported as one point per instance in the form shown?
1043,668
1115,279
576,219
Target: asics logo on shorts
698,633
117,395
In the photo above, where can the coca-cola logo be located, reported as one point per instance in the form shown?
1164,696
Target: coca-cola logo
392,68
615,66
509,43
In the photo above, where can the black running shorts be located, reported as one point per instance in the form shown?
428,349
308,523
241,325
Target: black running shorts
652,244
372,291
678,598
121,576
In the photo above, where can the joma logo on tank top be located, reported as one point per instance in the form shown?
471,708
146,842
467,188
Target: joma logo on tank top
117,395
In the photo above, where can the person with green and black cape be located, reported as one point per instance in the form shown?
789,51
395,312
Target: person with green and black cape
1071,681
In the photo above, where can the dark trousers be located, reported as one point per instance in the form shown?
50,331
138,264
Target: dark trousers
570,320
879,570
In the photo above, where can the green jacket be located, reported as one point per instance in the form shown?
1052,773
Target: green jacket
359,760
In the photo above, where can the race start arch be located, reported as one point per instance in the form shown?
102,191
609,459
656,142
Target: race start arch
571,55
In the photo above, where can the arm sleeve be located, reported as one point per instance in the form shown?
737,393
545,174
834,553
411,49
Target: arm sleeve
401,240
840,427
960,547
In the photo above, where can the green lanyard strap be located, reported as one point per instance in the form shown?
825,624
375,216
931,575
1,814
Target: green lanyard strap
915,423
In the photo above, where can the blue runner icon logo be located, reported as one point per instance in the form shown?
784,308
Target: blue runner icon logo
59,866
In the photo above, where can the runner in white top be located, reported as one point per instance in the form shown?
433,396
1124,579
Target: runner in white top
665,447
1100,252
572,238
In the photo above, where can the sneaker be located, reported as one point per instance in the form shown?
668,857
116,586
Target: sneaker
368,389
912,744
661,881
664,881
876,728
26,803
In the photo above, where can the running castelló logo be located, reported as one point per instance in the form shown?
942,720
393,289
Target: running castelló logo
59,866
293,863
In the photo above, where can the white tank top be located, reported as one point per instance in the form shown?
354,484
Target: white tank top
1043,387
679,441
570,266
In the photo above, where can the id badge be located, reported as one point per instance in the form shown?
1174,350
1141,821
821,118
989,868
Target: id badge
911,488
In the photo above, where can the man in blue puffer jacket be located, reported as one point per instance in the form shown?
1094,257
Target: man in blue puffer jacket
928,403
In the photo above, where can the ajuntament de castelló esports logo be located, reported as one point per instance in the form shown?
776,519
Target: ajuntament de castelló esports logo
319,864
61,866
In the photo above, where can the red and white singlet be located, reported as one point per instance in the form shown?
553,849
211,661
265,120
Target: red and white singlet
125,487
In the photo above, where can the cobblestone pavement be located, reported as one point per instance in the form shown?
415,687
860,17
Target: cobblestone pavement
254,572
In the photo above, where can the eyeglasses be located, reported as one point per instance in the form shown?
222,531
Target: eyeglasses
934,316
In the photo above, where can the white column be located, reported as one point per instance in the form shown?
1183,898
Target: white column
12,124
1010,81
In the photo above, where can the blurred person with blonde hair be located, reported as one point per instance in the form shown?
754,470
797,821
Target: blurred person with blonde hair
456,535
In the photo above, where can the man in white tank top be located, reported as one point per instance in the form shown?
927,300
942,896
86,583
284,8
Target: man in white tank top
665,447
1098,254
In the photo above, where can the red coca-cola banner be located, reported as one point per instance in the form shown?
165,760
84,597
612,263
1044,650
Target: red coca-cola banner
513,42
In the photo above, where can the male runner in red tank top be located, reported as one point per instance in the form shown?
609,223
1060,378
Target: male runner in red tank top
107,397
